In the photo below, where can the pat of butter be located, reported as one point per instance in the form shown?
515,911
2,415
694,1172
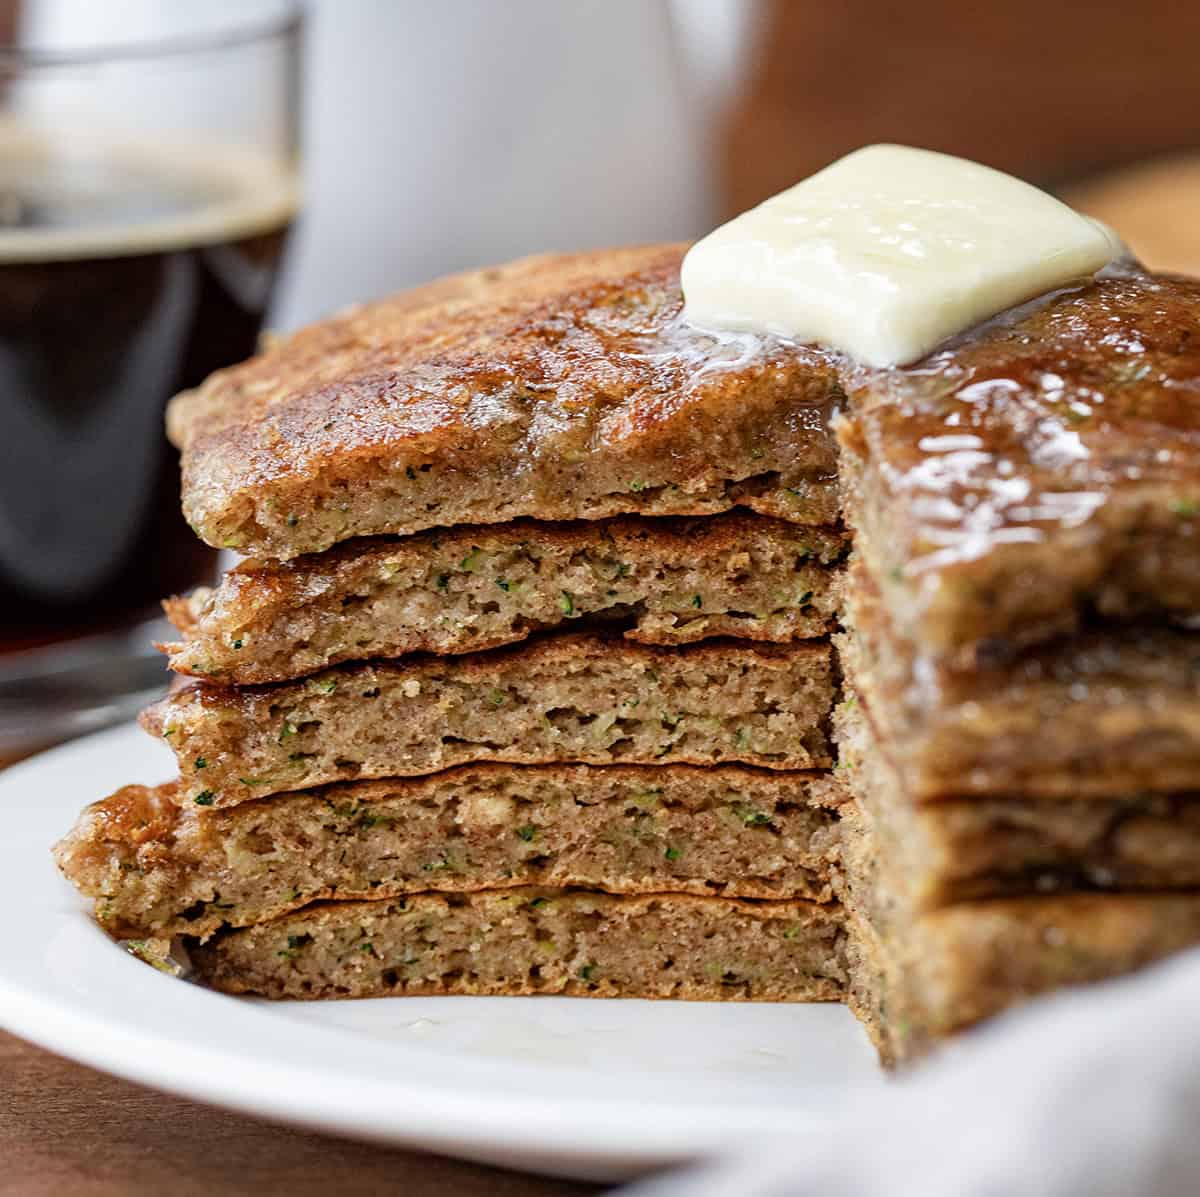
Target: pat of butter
887,252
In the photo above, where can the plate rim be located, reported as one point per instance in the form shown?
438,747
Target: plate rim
600,1137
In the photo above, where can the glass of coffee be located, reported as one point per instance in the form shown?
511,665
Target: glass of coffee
148,181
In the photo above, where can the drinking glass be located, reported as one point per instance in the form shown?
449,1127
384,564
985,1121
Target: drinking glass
148,182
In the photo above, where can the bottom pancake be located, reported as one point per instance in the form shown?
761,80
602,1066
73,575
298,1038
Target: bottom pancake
538,941
913,984
920,974
950,969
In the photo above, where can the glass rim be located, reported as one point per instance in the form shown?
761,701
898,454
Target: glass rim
285,24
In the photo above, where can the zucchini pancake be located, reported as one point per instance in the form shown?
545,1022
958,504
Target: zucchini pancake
579,650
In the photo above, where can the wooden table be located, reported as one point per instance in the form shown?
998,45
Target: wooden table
66,1130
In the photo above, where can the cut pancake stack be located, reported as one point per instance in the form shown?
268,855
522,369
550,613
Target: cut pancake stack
526,683
1021,728
436,743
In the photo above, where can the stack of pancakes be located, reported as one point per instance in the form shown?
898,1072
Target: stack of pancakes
1021,728
438,743
526,684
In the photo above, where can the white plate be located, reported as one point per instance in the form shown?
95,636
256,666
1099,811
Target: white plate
582,1088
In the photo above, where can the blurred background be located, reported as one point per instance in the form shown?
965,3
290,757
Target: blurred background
444,136
175,176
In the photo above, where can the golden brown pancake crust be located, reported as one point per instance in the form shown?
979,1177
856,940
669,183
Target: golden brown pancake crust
1047,466
561,387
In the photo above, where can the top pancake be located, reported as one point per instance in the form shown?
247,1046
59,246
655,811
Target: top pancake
559,387
1044,468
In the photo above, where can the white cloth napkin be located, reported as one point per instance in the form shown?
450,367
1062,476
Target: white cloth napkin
1093,1093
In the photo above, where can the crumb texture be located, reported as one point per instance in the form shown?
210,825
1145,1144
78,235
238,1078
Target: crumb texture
1108,713
158,868
466,589
538,941
961,849
580,698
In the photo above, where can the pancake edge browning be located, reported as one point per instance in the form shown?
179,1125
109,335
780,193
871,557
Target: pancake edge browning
558,387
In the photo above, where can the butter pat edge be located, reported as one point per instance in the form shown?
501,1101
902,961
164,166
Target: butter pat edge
888,252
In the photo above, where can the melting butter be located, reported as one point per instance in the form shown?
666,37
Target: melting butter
888,252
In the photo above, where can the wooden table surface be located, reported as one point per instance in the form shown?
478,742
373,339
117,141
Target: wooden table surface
66,1130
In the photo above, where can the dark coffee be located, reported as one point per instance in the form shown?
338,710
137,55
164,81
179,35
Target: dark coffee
124,277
